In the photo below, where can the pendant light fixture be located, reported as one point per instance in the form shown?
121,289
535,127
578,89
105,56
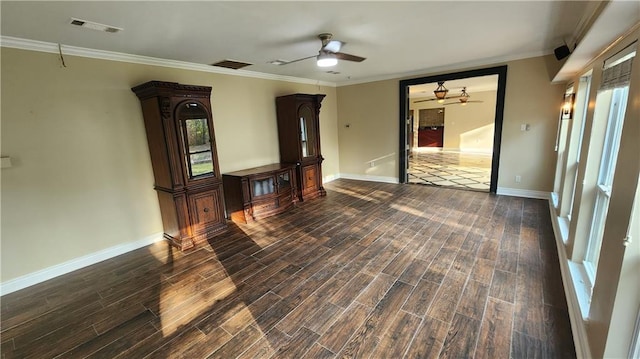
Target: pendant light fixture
440,92
464,96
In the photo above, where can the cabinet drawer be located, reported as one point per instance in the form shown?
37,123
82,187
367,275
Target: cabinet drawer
205,208
285,200
262,207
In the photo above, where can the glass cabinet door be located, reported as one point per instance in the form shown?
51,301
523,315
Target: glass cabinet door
284,181
262,186
195,135
307,131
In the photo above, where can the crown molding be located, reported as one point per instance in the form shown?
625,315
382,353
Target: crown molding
42,46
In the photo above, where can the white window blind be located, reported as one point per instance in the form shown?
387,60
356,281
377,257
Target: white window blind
617,69
616,76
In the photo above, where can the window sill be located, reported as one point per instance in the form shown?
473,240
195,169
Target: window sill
581,286
554,200
563,226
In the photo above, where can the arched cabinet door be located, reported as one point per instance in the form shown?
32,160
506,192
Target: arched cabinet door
183,153
299,140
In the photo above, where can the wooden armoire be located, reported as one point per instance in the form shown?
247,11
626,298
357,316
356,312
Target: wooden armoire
299,137
182,145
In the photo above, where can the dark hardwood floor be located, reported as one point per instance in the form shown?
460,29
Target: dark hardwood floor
370,271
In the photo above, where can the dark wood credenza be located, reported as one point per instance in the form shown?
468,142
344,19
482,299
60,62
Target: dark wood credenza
259,192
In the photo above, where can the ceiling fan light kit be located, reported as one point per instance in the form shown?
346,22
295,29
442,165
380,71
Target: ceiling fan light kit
463,98
326,59
440,92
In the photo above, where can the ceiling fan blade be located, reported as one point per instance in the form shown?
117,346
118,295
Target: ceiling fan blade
343,56
333,46
435,99
461,103
304,58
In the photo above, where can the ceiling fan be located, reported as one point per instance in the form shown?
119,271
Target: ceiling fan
329,53
463,99
441,94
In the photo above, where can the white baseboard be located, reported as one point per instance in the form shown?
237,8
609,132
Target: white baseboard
527,193
369,178
330,178
578,328
477,151
42,275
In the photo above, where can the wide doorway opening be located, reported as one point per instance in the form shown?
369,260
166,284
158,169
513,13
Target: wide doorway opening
450,129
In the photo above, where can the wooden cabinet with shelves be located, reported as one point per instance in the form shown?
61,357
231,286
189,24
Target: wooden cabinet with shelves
259,192
299,140
181,142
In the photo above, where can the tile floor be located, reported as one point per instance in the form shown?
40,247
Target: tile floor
470,171
372,270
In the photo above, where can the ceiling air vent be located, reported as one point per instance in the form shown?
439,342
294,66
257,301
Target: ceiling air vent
94,25
278,62
230,64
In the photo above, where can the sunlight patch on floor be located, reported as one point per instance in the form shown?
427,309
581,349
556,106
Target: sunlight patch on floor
410,210
179,306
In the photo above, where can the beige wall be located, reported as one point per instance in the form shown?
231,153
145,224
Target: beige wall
469,127
372,111
530,99
81,179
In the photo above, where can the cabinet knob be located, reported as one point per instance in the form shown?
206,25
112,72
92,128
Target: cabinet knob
206,209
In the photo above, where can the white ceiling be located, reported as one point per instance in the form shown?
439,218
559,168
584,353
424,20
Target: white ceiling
397,38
